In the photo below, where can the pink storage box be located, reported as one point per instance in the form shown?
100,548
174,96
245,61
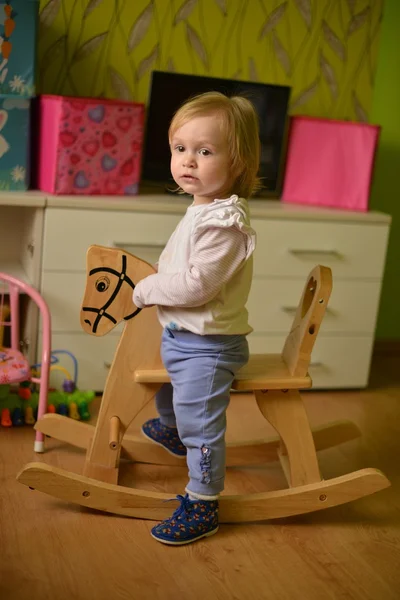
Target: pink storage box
89,146
330,163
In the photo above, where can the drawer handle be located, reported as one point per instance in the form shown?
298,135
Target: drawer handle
291,310
124,245
327,253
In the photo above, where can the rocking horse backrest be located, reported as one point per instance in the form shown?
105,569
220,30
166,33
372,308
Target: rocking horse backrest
307,321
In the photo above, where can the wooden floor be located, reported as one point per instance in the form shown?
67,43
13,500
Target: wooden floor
54,551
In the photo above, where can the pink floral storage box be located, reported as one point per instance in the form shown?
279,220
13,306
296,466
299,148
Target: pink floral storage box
330,163
89,146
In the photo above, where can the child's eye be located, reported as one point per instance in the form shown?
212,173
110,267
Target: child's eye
179,148
204,152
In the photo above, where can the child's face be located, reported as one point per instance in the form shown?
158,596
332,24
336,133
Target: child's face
200,161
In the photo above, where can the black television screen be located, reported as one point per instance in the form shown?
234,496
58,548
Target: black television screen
169,91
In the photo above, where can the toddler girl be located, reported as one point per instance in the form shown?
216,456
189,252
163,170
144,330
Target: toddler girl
201,289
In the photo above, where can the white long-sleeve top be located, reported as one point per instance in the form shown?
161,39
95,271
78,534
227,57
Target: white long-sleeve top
205,271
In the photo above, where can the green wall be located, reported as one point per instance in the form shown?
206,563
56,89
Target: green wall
326,50
386,185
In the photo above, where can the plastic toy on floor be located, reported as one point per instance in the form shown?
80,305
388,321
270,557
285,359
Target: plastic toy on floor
20,406
69,402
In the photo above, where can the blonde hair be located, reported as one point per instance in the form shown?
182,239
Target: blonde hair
241,126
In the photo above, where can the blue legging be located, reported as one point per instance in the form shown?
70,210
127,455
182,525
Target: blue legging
201,369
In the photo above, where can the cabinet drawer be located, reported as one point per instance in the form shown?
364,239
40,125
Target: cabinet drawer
337,362
352,307
94,356
293,248
69,233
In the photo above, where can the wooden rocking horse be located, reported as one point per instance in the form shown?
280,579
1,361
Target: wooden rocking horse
137,373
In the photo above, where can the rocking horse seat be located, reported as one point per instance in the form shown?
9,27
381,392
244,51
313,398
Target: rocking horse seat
262,372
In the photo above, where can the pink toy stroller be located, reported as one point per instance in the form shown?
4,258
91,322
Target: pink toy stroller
14,366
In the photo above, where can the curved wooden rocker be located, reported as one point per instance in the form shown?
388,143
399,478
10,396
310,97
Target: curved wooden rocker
137,373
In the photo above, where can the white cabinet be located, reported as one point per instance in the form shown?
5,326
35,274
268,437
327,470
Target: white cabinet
21,231
44,240
291,241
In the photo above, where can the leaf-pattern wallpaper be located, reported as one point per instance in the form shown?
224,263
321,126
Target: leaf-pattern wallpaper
325,49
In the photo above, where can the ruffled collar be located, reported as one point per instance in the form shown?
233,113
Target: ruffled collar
218,202
228,212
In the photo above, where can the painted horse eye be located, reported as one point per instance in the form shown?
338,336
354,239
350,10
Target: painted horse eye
102,284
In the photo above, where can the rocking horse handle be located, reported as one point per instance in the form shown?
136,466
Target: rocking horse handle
115,428
307,321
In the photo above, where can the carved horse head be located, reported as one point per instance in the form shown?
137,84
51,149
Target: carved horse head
111,277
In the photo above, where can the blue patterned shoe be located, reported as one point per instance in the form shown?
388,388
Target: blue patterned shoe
192,520
165,436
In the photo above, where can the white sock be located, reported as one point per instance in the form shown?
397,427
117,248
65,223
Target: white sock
193,497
